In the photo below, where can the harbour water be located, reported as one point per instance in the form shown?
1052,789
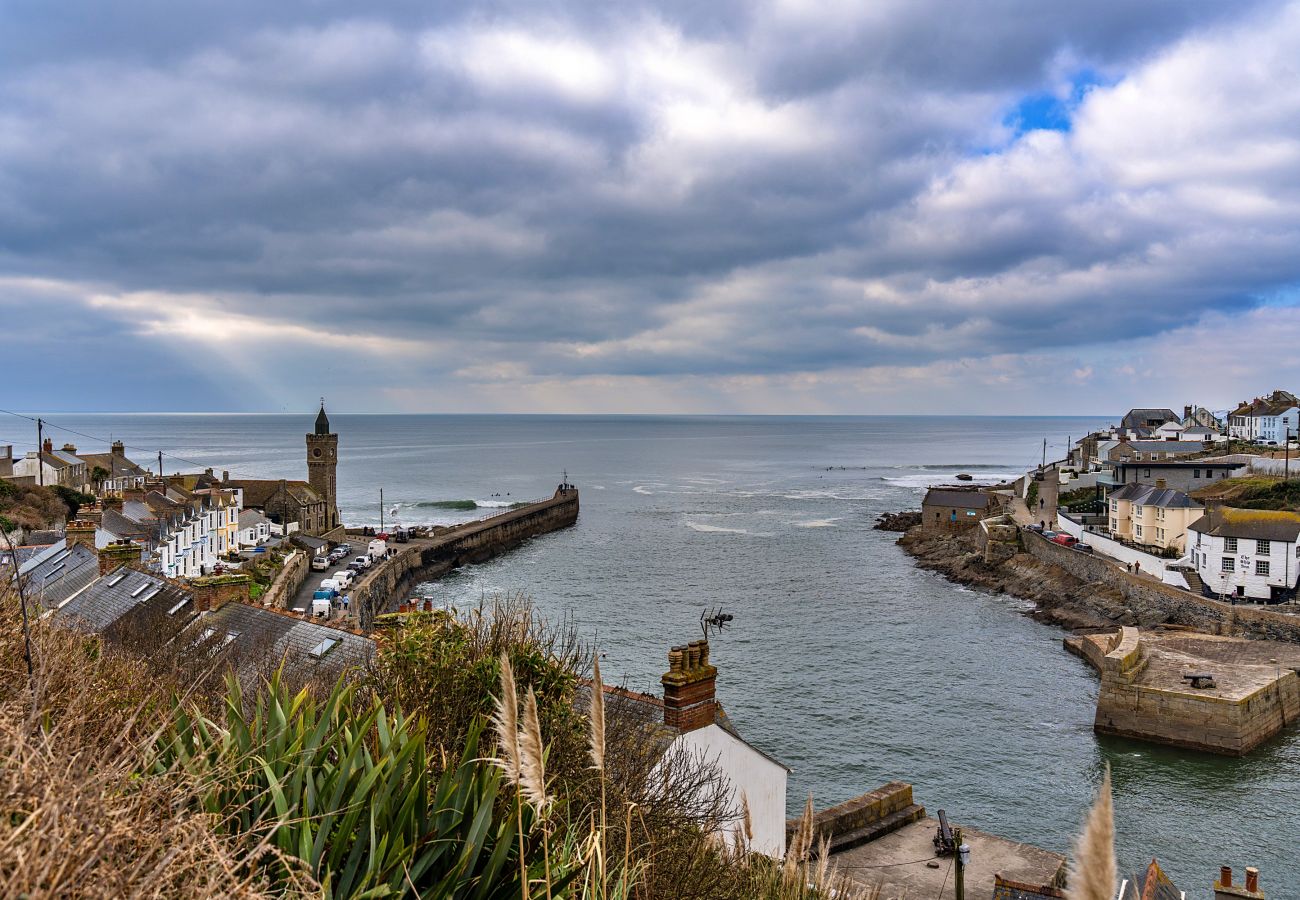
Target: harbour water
844,661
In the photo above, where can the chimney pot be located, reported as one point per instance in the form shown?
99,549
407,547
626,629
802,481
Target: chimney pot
1225,876
1252,879
48,446
1160,483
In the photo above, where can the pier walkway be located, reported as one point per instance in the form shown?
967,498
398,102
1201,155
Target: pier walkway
382,587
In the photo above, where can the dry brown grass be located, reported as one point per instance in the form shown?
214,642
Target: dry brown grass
76,820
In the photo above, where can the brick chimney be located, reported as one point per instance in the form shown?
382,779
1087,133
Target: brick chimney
215,591
69,448
81,531
117,449
689,687
1224,889
48,446
1160,483
112,502
120,553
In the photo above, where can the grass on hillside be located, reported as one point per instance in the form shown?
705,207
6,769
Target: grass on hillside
125,776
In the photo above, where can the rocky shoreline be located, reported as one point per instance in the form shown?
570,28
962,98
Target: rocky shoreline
1059,598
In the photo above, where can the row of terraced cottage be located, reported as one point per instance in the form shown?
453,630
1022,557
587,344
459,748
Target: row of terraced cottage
1148,496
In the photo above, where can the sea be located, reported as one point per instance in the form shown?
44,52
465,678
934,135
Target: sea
842,660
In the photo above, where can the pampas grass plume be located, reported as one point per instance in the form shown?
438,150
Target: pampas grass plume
506,721
532,753
1093,875
597,717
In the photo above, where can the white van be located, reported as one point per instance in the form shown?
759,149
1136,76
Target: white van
321,608
378,549
331,584
344,577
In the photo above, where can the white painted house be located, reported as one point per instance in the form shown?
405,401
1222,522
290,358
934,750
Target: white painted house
690,724
1279,425
1248,553
254,528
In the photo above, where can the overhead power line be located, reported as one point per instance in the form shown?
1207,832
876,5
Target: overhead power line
109,441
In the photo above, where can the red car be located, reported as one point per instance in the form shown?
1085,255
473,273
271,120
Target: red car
1065,540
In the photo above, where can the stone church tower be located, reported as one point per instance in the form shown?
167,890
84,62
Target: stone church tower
322,460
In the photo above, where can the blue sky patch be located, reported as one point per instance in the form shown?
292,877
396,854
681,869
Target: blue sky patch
1049,111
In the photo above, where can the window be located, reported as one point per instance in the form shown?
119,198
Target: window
1228,564
1229,545
1261,567
1114,525
1146,473
1137,509
1262,548
323,647
1160,534
1137,529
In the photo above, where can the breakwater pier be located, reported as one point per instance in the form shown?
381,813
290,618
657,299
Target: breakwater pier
428,559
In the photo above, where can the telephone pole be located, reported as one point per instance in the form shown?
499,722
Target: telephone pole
40,461
381,510
1044,465
160,464
963,857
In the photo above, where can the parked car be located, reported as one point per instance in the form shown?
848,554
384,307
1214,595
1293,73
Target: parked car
1065,540
319,563
1048,534
1034,527
345,548
1082,547
338,553
345,577
331,585
362,561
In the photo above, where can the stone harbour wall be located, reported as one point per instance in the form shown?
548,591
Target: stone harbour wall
1199,722
474,542
1155,601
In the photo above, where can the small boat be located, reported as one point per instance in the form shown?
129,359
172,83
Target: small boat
964,477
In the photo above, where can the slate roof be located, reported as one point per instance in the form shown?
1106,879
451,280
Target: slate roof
1257,524
124,592
1213,462
649,709
1199,429
260,492
1148,495
250,517
1153,884
1167,446
115,466
264,638
962,499
61,573
1139,418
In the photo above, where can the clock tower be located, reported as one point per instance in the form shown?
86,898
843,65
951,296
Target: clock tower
322,460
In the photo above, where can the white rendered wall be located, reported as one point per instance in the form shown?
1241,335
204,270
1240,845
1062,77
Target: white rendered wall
761,780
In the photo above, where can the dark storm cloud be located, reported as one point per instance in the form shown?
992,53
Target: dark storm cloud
639,189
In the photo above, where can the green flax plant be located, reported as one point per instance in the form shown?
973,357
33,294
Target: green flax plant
343,789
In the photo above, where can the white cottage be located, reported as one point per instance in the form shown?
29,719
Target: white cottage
689,723
1252,554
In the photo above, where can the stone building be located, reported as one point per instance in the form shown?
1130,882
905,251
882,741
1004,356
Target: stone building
322,463
955,507
311,506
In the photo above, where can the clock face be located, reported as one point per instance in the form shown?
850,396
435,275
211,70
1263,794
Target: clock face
316,453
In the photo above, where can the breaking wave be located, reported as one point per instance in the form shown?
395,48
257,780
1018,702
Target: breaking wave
465,505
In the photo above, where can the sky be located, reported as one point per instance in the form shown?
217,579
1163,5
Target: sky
791,206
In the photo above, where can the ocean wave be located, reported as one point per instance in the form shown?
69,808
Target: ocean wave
818,523
926,480
718,529
465,505
829,495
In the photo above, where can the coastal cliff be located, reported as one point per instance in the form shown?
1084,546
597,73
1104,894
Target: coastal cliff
1082,591
1059,597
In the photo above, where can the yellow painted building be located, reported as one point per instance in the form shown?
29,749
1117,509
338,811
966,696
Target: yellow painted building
1152,515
